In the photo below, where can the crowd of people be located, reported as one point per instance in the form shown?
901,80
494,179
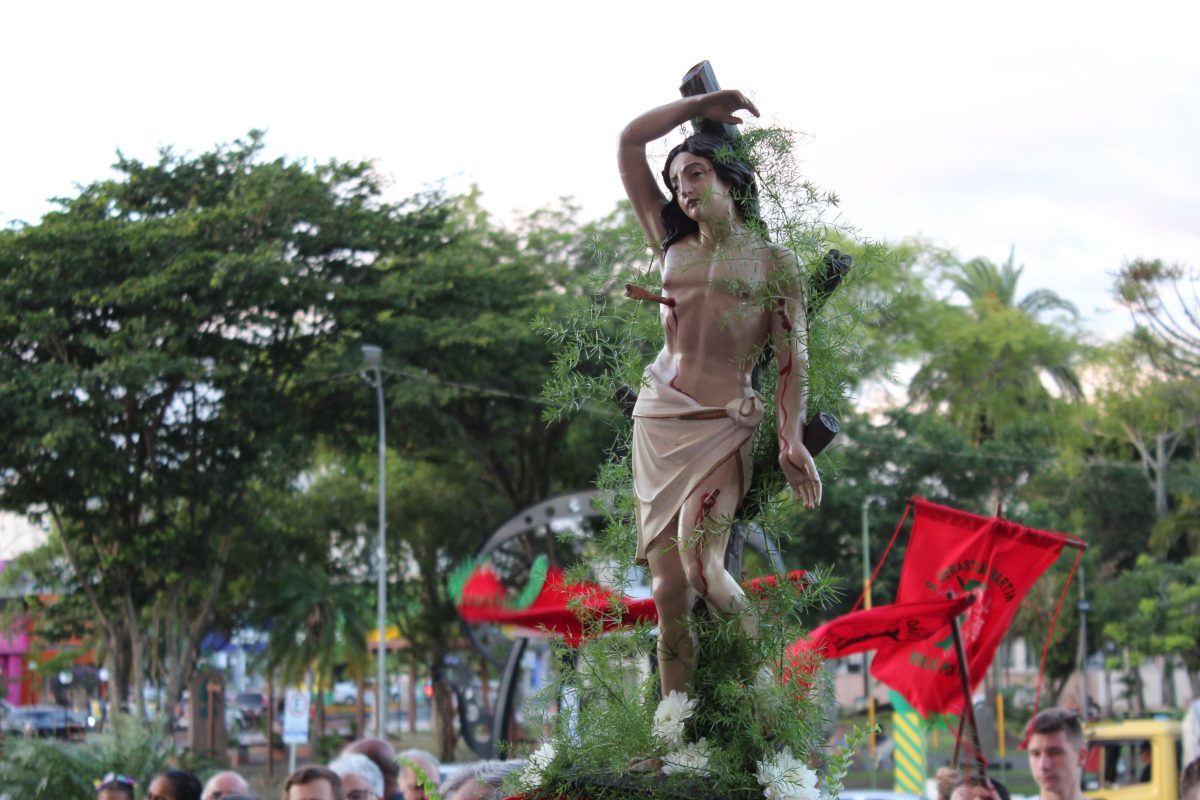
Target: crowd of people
368,769
371,769
1058,752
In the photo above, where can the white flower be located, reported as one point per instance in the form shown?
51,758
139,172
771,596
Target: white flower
692,757
674,710
536,766
786,777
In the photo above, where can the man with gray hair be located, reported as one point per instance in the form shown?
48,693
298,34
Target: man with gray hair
381,752
361,778
410,782
479,781
225,784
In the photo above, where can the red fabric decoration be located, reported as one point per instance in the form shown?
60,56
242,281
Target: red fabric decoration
557,609
953,553
885,626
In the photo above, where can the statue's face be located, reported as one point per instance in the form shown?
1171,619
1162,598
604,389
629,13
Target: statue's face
699,190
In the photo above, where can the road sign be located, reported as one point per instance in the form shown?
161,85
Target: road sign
295,717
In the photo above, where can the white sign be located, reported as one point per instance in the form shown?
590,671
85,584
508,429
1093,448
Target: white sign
295,717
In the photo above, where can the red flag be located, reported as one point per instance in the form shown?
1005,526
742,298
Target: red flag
953,553
559,607
884,626
563,608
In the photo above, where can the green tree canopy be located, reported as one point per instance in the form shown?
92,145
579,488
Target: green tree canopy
153,334
985,362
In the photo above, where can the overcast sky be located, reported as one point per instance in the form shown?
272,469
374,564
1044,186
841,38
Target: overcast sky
1066,130
1069,131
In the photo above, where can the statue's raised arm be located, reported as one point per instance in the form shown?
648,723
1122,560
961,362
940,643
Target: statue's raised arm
640,185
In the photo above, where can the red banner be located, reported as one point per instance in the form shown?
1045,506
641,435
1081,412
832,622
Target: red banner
567,608
952,554
884,626
559,607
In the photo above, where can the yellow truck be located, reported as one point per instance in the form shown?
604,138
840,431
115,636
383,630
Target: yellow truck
1136,759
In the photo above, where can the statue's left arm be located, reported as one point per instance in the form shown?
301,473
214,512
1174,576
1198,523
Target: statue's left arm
789,333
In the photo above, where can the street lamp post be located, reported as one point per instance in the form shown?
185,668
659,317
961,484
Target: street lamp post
868,690
373,359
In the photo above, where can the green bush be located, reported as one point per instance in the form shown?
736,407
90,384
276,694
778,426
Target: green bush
46,769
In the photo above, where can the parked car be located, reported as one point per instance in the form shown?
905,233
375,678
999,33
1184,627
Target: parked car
346,693
45,722
251,707
1137,759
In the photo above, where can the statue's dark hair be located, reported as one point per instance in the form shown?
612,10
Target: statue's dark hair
731,169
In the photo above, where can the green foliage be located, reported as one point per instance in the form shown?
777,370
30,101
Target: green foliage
1166,311
40,769
153,335
311,614
985,361
602,708
1154,610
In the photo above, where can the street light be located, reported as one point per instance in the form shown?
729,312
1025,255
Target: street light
866,581
373,359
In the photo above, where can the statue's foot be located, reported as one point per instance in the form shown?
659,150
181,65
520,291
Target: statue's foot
652,765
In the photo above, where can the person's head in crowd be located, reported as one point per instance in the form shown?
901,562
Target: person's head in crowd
1057,753
361,779
313,783
384,755
115,786
1189,781
226,784
971,788
174,784
410,784
946,780
479,781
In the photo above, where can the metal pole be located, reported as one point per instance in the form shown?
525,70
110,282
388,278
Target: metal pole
969,709
1084,606
867,688
373,356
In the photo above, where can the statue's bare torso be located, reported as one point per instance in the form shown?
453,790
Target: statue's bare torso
717,324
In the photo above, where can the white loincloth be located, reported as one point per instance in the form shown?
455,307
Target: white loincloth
673,454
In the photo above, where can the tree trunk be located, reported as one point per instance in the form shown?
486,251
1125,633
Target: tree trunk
136,655
321,707
444,734
118,687
360,705
186,629
412,691
1161,456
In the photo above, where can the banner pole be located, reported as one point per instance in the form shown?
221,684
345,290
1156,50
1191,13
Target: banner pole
962,720
969,709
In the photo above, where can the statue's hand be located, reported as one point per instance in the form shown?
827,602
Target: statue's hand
801,472
719,106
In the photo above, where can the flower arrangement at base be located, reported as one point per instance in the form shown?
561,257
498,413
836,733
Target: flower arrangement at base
785,777
692,759
537,765
672,714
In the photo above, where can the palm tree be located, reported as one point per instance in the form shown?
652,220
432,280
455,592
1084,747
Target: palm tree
986,360
987,285
311,614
